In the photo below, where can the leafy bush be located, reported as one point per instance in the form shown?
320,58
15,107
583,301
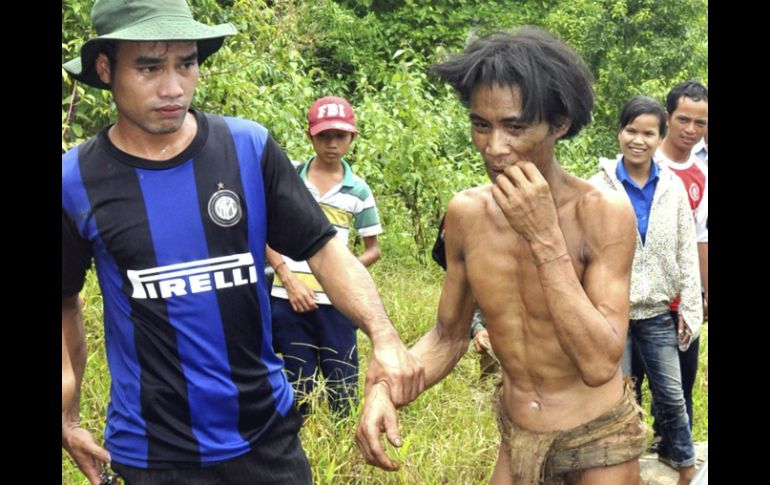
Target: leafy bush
414,149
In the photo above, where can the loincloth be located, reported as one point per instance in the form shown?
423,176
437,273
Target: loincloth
617,436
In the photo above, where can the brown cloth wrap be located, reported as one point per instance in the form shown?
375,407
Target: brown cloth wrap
617,436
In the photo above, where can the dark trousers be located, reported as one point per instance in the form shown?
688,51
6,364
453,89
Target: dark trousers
322,339
277,459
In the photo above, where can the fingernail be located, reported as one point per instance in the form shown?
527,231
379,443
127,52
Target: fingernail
398,441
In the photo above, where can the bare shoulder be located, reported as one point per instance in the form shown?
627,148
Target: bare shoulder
605,214
464,212
595,199
469,201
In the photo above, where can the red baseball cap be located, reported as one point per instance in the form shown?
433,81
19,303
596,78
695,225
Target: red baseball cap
331,113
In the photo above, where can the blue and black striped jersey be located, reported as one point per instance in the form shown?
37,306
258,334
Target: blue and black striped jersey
179,248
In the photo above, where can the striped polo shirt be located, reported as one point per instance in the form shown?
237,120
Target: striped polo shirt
348,204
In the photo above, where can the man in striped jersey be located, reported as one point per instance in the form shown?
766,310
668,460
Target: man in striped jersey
312,334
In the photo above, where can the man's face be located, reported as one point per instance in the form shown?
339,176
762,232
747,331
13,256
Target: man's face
688,123
499,134
153,83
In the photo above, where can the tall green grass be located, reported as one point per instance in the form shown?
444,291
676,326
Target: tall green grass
450,435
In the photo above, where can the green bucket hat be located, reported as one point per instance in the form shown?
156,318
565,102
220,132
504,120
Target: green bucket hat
143,20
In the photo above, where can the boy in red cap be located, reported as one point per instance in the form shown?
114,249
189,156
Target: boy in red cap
307,329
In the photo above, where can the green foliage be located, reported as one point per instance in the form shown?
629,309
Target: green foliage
344,52
414,149
633,47
428,27
404,150
259,73
92,109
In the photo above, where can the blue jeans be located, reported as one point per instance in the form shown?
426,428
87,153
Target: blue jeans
655,341
688,363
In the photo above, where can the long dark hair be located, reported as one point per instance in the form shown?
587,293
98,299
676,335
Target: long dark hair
555,82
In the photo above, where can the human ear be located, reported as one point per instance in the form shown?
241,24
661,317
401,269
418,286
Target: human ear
562,128
102,66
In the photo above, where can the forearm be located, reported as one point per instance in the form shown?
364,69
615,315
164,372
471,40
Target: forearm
370,255
441,348
74,358
439,352
68,378
585,334
275,259
77,441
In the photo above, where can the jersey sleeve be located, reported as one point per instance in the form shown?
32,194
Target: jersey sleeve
296,225
701,217
75,257
366,220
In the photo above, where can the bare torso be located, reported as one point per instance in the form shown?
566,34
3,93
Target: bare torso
543,389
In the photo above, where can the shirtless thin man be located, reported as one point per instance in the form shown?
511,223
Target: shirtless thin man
547,257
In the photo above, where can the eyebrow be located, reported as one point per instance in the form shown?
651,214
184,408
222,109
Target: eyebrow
153,60
685,117
510,119
190,57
